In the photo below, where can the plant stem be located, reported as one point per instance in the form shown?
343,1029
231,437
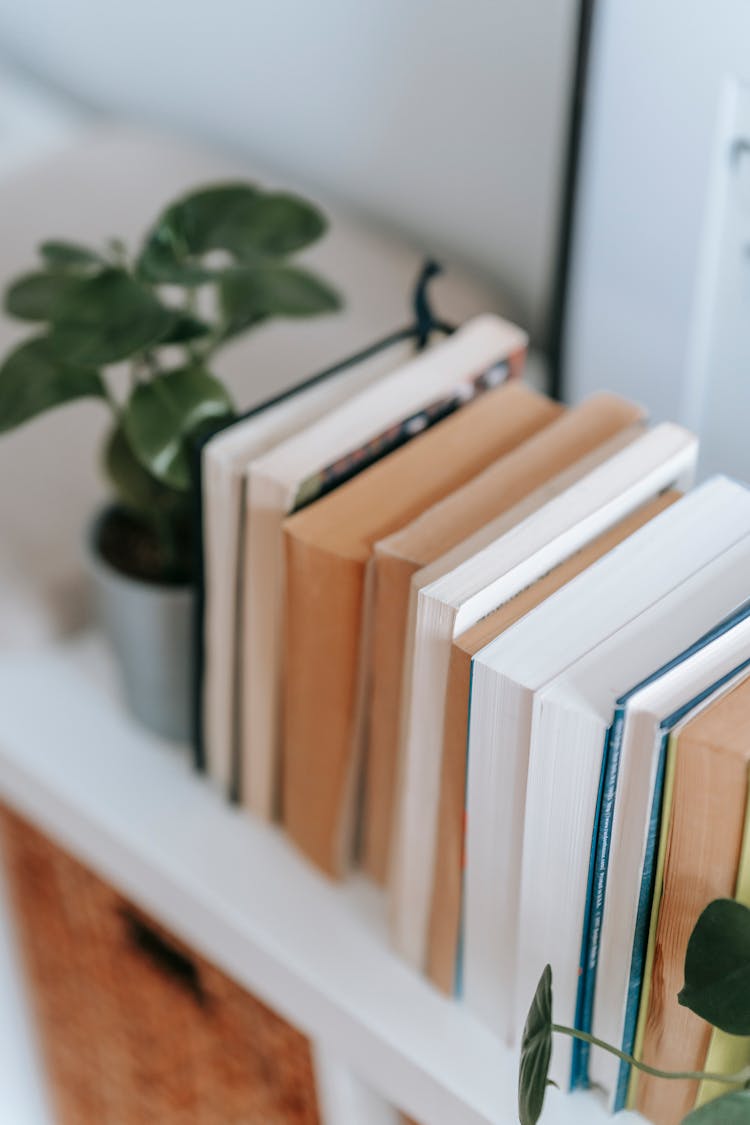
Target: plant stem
738,1079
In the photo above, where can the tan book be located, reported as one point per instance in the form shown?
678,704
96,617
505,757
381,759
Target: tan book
328,546
313,461
704,845
435,532
445,908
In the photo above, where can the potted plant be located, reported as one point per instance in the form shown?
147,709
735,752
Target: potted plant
717,988
215,264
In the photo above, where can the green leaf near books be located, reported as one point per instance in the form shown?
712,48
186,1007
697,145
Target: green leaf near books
717,967
731,1109
717,988
536,1050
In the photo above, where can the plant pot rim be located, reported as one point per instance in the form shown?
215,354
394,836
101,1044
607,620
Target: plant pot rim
103,566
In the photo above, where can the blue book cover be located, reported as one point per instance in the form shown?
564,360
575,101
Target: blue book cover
602,839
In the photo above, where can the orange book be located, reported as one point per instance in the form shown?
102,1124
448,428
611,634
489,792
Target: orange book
704,845
496,491
445,909
328,546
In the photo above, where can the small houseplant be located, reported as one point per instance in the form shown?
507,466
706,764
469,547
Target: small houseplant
215,264
717,988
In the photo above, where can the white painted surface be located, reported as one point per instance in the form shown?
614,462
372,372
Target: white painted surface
656,77
445,120
343,1099
132,809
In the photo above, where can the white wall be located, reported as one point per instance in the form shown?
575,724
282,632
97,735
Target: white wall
655,85
445,117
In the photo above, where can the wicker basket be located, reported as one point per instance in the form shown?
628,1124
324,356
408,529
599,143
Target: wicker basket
136,1029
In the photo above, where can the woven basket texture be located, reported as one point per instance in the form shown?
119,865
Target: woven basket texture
135,1028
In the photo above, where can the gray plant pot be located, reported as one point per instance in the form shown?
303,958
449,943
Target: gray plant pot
149,627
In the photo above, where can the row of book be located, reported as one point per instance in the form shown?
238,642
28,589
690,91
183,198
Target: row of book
490,650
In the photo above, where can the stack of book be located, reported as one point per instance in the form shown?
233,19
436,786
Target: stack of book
491,651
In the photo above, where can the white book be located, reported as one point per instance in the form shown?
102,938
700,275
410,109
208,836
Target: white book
290,474
571,716
225,461
458,599
505,676
641,749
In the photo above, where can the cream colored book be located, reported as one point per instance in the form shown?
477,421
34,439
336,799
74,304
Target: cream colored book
447,883
449,601
616,682
226,459
329,550
482,352
499,488
507,675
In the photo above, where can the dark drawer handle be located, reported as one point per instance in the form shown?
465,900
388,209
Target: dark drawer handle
165,956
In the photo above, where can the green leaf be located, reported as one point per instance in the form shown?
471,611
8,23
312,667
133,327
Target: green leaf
135,486
730,1109
247,296
34,378
536,1051
62,255
108,317
162,414
717,967
238,218
37,296
185,328
276,224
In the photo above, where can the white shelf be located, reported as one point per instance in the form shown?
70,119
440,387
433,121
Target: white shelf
132,808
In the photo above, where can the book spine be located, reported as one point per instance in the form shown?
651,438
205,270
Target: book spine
597,889
458,988
325,597
389,628
642,926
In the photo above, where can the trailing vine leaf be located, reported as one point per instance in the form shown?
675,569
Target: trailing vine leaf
730,1109
536,1051
72,256
37,296
108,317
34,378
239,218
717,967
163,413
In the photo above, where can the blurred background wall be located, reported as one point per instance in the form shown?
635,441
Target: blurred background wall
447,119
660,194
